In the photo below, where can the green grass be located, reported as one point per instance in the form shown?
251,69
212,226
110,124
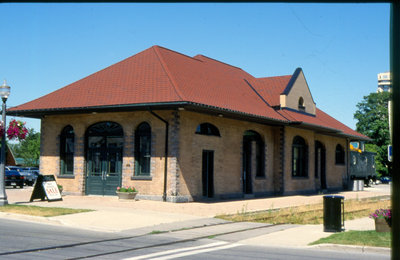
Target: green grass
155,232
308,214
359,238
40,211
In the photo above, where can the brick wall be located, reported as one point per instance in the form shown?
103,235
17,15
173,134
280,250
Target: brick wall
50,140
184,178
228,152
335,174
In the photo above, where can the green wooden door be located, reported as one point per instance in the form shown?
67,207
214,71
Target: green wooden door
104,171
95,168
113,171
104,163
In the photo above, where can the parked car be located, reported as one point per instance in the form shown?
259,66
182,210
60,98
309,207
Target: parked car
14,178
33,170
386,180
36,172
29,177
13,168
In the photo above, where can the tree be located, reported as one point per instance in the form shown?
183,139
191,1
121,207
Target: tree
29,148
373,121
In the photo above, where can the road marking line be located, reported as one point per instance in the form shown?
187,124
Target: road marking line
172,251
195,252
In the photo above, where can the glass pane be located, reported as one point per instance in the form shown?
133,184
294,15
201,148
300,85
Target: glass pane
115,142
69,163
95,163
301,161
96,141
143,150
69,145
109,128
145,146
145,166
112,164
295,160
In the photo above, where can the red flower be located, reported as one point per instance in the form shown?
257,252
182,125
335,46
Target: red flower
16,130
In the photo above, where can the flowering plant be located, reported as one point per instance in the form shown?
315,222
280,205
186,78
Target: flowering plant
126,189
16,130
382,214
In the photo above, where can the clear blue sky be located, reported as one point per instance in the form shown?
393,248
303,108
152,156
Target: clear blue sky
340,47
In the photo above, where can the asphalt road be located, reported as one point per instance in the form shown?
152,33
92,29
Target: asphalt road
26,240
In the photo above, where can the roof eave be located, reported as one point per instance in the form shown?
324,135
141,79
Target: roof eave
39,113
233,114
190,106
329,131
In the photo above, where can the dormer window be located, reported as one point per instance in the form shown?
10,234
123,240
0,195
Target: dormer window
301,104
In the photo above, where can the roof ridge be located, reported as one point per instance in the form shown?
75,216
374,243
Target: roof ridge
187,56
289,118
218,61
258,94
164,66
275,77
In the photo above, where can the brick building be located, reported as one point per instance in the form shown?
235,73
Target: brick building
183,128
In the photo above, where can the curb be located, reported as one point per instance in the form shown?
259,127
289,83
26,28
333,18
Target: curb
352,248
29,218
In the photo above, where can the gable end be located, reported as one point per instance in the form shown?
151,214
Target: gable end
297,95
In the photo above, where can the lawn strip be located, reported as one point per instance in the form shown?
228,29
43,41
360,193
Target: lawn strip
309,214
40,211
357,238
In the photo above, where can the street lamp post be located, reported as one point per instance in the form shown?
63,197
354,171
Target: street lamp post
4,93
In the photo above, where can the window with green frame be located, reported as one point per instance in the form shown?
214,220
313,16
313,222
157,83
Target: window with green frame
299,157
67,139
142,150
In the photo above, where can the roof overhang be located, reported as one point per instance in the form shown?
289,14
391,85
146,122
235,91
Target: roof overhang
328,131
181,105
40,113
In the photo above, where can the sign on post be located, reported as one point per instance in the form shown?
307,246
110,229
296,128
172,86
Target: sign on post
46,187
390,153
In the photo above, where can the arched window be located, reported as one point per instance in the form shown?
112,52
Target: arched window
299,157
142,149
207,129
339,154
301,104
67,138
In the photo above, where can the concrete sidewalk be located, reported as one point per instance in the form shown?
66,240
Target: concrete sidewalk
142,217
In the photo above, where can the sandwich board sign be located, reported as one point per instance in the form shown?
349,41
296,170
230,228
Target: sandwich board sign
46,187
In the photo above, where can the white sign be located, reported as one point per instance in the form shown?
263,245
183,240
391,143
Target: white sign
51,189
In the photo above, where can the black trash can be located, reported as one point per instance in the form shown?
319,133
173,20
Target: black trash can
333,213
